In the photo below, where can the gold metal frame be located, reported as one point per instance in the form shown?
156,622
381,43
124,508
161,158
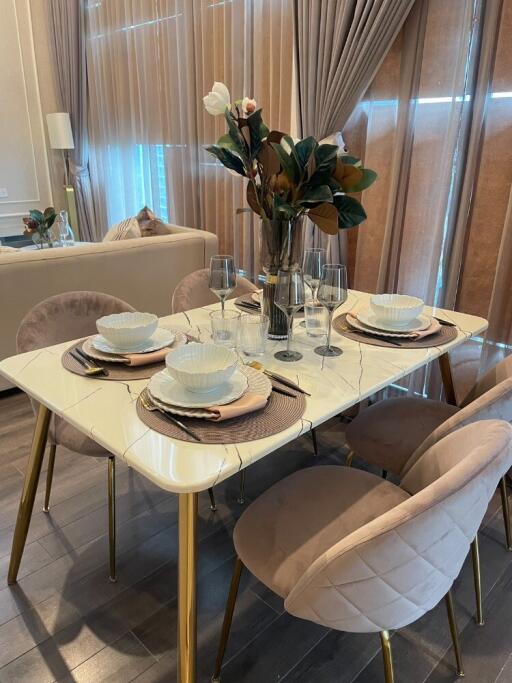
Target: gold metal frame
112,517
213,504
314,440
387,657
49,477
228,618
454,632
350,457
241,490
447,377
475,557
28,494
187,587
506,511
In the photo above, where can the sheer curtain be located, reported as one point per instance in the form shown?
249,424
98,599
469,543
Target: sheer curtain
436,125
150,64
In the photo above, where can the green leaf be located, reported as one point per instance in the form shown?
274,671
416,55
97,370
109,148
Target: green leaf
326,217
350,211
227,158
369,177
226,142
283,208
264,130
350,160
305,149
36,215
316,195
293,153
50,220
287,162
254,123
326,156
234,133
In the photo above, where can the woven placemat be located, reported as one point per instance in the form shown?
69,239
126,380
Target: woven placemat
445,335
280,413
116,371
247,298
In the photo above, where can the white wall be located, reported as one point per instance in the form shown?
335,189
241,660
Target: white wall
24,171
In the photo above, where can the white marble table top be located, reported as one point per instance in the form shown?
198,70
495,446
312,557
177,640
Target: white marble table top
105,410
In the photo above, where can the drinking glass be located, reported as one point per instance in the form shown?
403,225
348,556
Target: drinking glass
253,334
315,318
222,277
314,260
289,298
225,328
331,294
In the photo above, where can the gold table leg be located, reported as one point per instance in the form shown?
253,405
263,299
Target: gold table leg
387,656
49,477
477,579
187,587
29,491
447,377
506,511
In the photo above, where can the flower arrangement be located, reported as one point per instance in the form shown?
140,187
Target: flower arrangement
287,178
38,225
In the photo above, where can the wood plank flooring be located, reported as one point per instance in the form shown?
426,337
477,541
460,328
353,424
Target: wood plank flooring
64,621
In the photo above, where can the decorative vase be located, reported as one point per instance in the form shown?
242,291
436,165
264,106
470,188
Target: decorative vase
280,249
42,240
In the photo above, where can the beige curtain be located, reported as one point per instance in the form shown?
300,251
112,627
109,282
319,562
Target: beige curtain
67,20
150,64
339,47
436,124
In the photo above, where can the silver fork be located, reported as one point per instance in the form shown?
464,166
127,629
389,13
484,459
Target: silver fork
149,404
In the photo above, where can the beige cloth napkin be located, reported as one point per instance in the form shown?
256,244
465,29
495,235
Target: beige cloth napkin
248,403
136,359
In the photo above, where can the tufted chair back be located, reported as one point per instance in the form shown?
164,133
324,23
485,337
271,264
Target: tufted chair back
494,404
391,571
65,317
193,291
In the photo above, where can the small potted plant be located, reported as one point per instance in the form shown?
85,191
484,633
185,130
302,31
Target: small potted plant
38,225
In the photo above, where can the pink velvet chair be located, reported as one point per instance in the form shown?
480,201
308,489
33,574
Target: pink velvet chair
58,319
353,552
193,291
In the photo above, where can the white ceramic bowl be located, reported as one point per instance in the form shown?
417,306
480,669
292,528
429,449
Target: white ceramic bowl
397,309
127,330
201,367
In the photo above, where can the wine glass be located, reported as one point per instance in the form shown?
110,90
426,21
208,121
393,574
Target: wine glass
331,294
289,297
222,277
314,260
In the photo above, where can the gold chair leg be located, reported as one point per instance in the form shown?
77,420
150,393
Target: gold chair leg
213,504
228,618
350,457
315,443
385,642
506,511
49,477
475,557
28,493
112,517
187,587
454,632
241,491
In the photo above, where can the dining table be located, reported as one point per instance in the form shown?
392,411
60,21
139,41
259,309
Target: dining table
106,412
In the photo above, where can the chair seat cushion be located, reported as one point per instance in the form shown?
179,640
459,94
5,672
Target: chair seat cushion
290,525
64,434
387,433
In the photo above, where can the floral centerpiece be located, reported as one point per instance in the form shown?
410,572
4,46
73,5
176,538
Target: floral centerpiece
287,180
38,225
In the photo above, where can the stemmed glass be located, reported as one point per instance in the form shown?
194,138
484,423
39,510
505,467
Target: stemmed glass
222,277
314,260
289,297
331,294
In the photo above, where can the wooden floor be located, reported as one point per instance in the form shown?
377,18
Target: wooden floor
65,621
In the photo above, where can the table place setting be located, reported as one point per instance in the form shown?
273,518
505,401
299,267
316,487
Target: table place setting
206,394
395,320
128,346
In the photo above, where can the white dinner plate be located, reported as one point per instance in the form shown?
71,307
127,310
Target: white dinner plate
258,383
160,338
179,340
166,389
368,317
358,325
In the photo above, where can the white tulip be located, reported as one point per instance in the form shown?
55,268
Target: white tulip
217,100
248,105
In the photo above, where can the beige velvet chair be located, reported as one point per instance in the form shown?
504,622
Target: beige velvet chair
354,552
193,291
58,319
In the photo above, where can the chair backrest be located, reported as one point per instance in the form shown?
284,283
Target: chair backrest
388,573
65,317
497,374
193,291
494,404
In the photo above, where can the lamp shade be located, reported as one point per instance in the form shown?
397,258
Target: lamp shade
59,131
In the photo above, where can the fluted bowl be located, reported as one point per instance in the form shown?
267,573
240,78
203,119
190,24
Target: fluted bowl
127,330
201,367
397,309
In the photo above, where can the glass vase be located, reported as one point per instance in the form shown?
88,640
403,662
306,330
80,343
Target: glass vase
280,249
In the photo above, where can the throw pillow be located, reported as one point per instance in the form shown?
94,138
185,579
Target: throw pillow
150,225
125,230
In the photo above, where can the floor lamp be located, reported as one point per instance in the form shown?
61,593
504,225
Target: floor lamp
61,138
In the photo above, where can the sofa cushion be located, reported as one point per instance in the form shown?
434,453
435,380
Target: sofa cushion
124,230
150,225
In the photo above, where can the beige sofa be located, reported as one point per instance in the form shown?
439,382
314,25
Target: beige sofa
143,272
